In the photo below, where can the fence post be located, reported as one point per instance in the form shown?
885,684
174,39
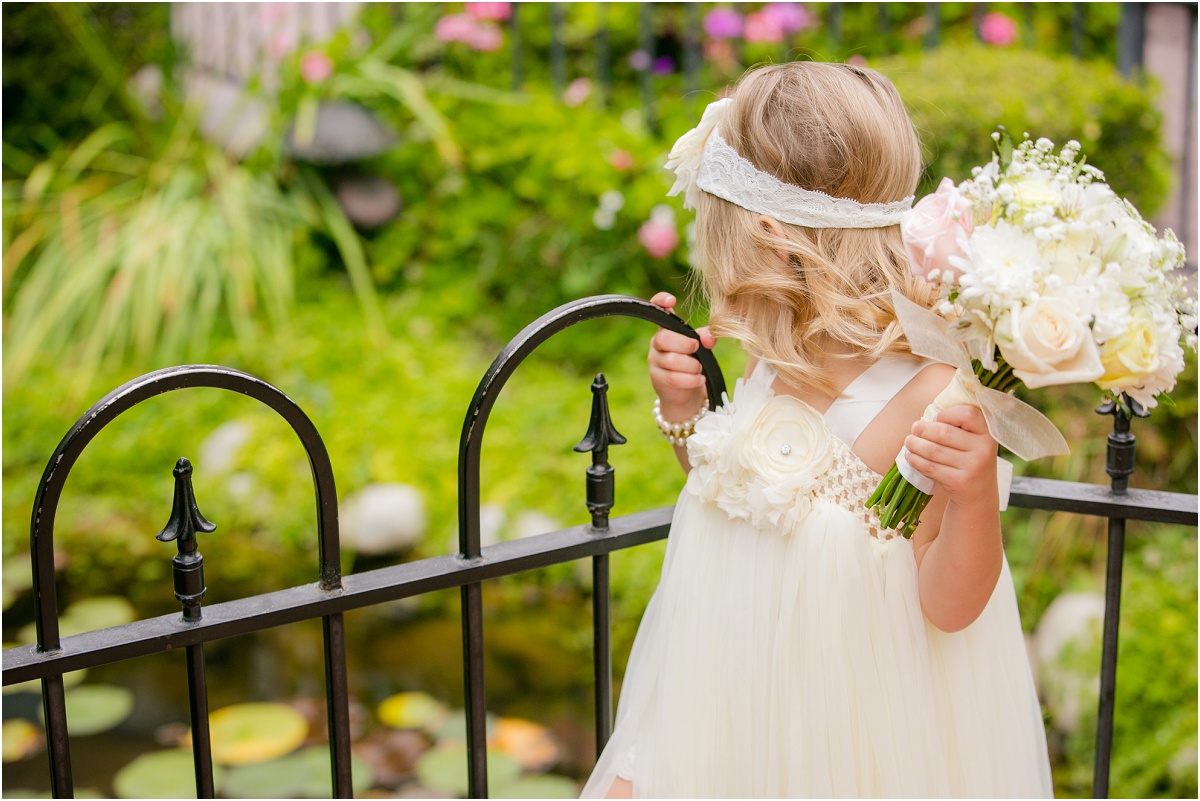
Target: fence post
933,23
558,52
646,75
1119,466
514,36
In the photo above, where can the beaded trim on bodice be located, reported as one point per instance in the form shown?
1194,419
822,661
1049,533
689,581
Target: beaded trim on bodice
768,459
848,484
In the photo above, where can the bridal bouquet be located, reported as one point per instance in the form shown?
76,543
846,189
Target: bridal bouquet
1046,277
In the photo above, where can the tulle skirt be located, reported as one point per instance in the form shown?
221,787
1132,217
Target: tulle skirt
800,665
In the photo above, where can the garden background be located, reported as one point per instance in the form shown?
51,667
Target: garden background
368,203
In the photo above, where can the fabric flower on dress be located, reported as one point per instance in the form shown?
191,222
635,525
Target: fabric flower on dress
763,464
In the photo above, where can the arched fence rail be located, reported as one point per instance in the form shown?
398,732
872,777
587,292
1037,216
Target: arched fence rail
333,594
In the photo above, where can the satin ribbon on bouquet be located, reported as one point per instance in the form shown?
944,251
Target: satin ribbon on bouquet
1013,423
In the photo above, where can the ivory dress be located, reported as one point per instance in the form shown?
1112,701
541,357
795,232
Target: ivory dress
785,654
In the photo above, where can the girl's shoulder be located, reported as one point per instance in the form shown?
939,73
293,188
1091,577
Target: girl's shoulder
883,437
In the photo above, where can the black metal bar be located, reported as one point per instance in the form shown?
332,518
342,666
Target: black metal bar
337,704
1093,499
198,709
261,612
369,588
54,709
476,691
602,650
1131,38
470,446
1119,464
558,51
58,468
601,433
185,523
646,74
1108,657
514,38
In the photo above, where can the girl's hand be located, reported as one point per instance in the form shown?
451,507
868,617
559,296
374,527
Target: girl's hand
675,375
957,452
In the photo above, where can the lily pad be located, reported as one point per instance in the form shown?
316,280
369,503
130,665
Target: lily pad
544,786
304,774
444,767
94,708
20,739
530,744
413,711
89,614
161,774
243,734
72,679
455,726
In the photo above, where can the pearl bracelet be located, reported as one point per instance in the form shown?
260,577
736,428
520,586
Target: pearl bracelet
677,433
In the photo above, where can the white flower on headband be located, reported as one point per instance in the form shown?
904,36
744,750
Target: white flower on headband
686,154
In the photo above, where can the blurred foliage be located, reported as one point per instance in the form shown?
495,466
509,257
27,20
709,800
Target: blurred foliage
503,194
52,95
957,95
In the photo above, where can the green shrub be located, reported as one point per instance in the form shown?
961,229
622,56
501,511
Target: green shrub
957,95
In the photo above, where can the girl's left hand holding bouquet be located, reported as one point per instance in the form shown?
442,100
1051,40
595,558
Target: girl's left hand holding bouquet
1046,277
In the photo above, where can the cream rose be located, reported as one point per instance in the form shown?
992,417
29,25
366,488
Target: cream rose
936,230
1046,344
1033,193
762,465
1132,356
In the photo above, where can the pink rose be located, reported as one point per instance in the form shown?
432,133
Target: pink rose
659,238
315,67
936,230
577,91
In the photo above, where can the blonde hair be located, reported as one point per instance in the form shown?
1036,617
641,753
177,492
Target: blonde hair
841,130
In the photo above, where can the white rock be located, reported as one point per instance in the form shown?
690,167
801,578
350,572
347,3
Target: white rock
491,522
530,524
218,452
383,518
1073,622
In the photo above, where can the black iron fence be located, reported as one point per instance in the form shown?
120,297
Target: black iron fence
333,594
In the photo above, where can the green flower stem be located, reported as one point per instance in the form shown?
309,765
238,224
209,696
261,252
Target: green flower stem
898,503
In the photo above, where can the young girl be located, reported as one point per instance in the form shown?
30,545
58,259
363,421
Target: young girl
794,647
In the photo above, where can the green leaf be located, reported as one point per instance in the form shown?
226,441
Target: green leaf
444,767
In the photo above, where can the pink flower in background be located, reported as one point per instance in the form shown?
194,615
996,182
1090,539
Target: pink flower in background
723,23
494,12
454,28
664,65
577,91
481,36
485,38
282,43
762,26
721,54
792,17
640,60
621,160
271,13
857,60
998,29
315,67
658,237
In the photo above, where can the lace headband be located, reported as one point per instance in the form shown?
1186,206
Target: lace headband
702,159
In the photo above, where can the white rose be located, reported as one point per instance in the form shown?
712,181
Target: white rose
1047,344
686,153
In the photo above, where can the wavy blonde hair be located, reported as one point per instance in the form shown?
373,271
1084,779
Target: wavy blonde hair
841,130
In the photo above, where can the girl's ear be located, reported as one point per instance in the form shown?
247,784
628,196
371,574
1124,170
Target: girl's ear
774,228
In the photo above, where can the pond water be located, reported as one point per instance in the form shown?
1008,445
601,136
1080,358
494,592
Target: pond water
538,668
